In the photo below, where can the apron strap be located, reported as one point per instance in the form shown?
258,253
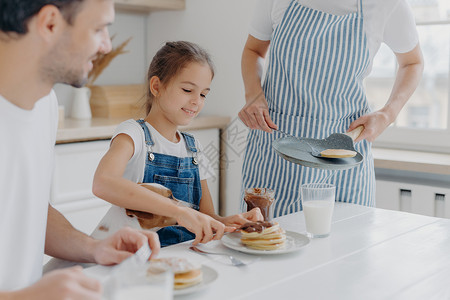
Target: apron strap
360,8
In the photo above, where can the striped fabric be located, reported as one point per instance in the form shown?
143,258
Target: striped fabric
314,87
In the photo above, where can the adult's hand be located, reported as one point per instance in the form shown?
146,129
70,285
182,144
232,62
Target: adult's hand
203,226
255,114
68,283
123,244
374,124
407,78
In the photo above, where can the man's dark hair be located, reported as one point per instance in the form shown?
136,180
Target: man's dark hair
15,14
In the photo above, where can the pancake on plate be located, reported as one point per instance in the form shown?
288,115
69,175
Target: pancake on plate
185,273
262,235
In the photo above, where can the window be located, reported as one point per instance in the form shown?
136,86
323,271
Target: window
424,123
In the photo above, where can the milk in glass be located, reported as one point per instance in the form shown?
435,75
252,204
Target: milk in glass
318,214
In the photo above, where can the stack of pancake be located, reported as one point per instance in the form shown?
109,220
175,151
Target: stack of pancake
263,235
186,274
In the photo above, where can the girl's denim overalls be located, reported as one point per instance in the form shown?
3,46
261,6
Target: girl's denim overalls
180,175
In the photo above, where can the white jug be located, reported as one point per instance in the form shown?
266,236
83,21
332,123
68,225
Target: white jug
81,108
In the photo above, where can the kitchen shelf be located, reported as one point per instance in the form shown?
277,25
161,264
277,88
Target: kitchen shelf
72,130
150,5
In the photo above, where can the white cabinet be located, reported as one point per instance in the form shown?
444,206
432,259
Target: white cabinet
75,165
413,197
210,140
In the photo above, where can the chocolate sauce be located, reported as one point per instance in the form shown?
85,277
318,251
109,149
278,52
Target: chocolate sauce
258,226
262,198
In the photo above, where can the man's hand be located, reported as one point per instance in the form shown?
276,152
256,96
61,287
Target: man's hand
68,283
123,244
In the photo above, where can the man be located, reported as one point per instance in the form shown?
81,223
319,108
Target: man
43,42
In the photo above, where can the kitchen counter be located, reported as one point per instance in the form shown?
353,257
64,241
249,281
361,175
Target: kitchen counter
415,161
371,254
72,130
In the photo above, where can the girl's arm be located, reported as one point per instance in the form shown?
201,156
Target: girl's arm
207,207
410,67
110,185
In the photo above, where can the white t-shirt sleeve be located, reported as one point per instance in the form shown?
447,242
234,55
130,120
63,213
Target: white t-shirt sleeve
134,170
205,168
400,32
261,24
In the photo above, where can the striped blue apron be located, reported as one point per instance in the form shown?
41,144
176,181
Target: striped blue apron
314,87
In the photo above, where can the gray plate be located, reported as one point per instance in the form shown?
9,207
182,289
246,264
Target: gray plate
298,150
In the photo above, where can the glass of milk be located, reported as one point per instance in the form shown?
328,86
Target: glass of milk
318,204
151,281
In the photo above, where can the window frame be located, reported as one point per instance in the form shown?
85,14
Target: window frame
421,139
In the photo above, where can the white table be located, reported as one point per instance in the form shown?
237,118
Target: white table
370,254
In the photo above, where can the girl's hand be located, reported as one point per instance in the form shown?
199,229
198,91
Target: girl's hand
374,125
240,219
203,226
255,114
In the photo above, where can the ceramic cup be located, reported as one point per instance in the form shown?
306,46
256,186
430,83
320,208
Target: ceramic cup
150,281
318,204
81,107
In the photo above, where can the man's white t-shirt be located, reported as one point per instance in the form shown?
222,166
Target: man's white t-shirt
27,140
136,165
385,21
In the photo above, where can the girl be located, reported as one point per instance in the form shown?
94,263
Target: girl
154,151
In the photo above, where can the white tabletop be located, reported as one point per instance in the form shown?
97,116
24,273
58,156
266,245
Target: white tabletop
370,254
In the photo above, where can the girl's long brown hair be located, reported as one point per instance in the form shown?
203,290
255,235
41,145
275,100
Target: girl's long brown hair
170,59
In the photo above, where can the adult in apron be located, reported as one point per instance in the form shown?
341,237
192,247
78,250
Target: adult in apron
313,87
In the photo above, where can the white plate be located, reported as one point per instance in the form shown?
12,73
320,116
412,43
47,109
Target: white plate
209,276
294,242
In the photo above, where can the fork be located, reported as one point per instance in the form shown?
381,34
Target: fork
234,261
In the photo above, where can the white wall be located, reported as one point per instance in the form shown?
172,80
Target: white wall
221,28
217,25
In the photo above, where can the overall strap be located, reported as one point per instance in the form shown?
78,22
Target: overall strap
148,136
190,143
148,139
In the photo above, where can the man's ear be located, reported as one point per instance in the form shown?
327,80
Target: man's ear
155,86
49,21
